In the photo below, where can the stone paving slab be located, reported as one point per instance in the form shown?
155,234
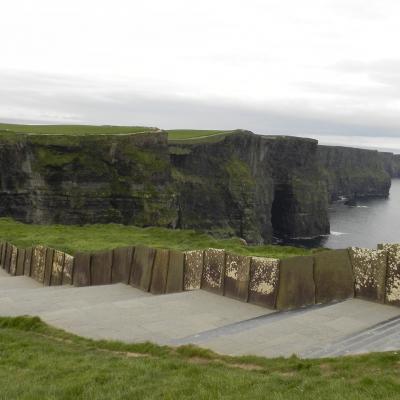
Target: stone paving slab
224,325
301,332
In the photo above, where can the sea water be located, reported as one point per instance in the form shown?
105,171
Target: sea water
369,222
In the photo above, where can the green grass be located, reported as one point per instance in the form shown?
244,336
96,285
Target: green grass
193,136
72,238
41,362
71,129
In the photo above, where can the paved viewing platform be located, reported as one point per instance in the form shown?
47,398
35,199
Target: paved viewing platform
120,312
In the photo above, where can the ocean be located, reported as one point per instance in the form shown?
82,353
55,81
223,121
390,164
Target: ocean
366,224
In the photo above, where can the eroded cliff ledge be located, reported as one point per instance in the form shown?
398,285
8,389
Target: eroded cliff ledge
239,184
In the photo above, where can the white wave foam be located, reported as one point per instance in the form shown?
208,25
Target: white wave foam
333,233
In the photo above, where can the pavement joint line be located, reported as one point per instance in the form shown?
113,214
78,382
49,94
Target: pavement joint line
391,323
247,324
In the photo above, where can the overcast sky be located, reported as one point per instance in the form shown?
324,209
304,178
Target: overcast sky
320,68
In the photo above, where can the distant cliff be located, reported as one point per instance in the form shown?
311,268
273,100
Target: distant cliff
354,173
391,163
243,184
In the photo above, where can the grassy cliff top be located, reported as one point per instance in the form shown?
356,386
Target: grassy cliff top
72,238
194,136
73,130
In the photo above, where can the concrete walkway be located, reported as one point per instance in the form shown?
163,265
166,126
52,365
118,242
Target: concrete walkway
226,326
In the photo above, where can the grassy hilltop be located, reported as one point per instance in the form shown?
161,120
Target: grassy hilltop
174,135
73,129
72,367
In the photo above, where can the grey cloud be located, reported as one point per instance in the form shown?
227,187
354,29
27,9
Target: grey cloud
37,97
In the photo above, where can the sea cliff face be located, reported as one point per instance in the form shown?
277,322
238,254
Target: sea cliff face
354,173
87,179
243,184
252,186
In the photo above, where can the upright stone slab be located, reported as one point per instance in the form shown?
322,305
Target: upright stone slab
28,261
101,265
57,268
333,276
68,269
213,271
38,263
13,262
264,281
237,276
175,272
392,274
369,269
48,267
122,263
194,262
81,270
296,283
7,257
2,247
142,267
160,272
20,262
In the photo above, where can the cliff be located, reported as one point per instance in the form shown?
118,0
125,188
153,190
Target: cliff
250,185
86,179
354,173
228,183
391,163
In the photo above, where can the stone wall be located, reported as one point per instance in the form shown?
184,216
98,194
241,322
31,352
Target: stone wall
291,283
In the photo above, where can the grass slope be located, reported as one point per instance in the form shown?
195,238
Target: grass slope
40,362
72,129
72,238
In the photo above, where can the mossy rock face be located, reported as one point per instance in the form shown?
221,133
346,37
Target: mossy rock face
354,173
89,179
333,276
369,269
